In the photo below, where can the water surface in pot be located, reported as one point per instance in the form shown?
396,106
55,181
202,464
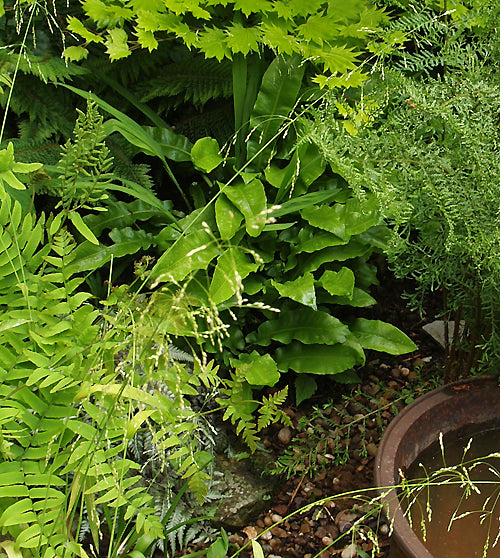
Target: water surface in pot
476,522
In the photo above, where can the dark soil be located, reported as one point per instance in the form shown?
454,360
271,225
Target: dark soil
331,450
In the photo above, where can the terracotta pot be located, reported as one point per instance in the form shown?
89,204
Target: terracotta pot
470,403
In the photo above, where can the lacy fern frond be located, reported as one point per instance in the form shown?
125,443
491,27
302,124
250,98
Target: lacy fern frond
123,167
195,80
216,120
49,108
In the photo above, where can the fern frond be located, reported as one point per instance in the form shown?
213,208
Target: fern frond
123,167
195,80
216,120
46,68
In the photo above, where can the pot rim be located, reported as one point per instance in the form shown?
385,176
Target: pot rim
385,475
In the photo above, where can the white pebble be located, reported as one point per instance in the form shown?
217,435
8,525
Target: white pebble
384,529
350,551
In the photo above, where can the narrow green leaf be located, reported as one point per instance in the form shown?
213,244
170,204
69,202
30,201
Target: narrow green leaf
381,336
334,254
257,549
12,324
81,227
305,387
18,513
276,99
312,240
303,324
294,205
175,147
189,253
89,257
319,359
358,299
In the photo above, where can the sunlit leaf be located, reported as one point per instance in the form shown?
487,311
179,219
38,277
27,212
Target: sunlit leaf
250,199
205,154
117,44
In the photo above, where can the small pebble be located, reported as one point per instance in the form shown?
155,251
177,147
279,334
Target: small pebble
275,543
279,532
395,372
285,435
268,521
371,449
320,532
276,518
305,527
267,536
384,530
327,541
350,551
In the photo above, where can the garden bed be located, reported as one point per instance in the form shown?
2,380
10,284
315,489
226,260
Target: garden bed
316,463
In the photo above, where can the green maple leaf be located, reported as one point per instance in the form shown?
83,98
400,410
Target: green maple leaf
106,15
148,20
76,26
283,10
277,38
243,39
306,7
155,21
75,53
150,5
334,58
147,39
116,44
346,11
318,28
223,3
352,79
212,43
252,6
182,6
